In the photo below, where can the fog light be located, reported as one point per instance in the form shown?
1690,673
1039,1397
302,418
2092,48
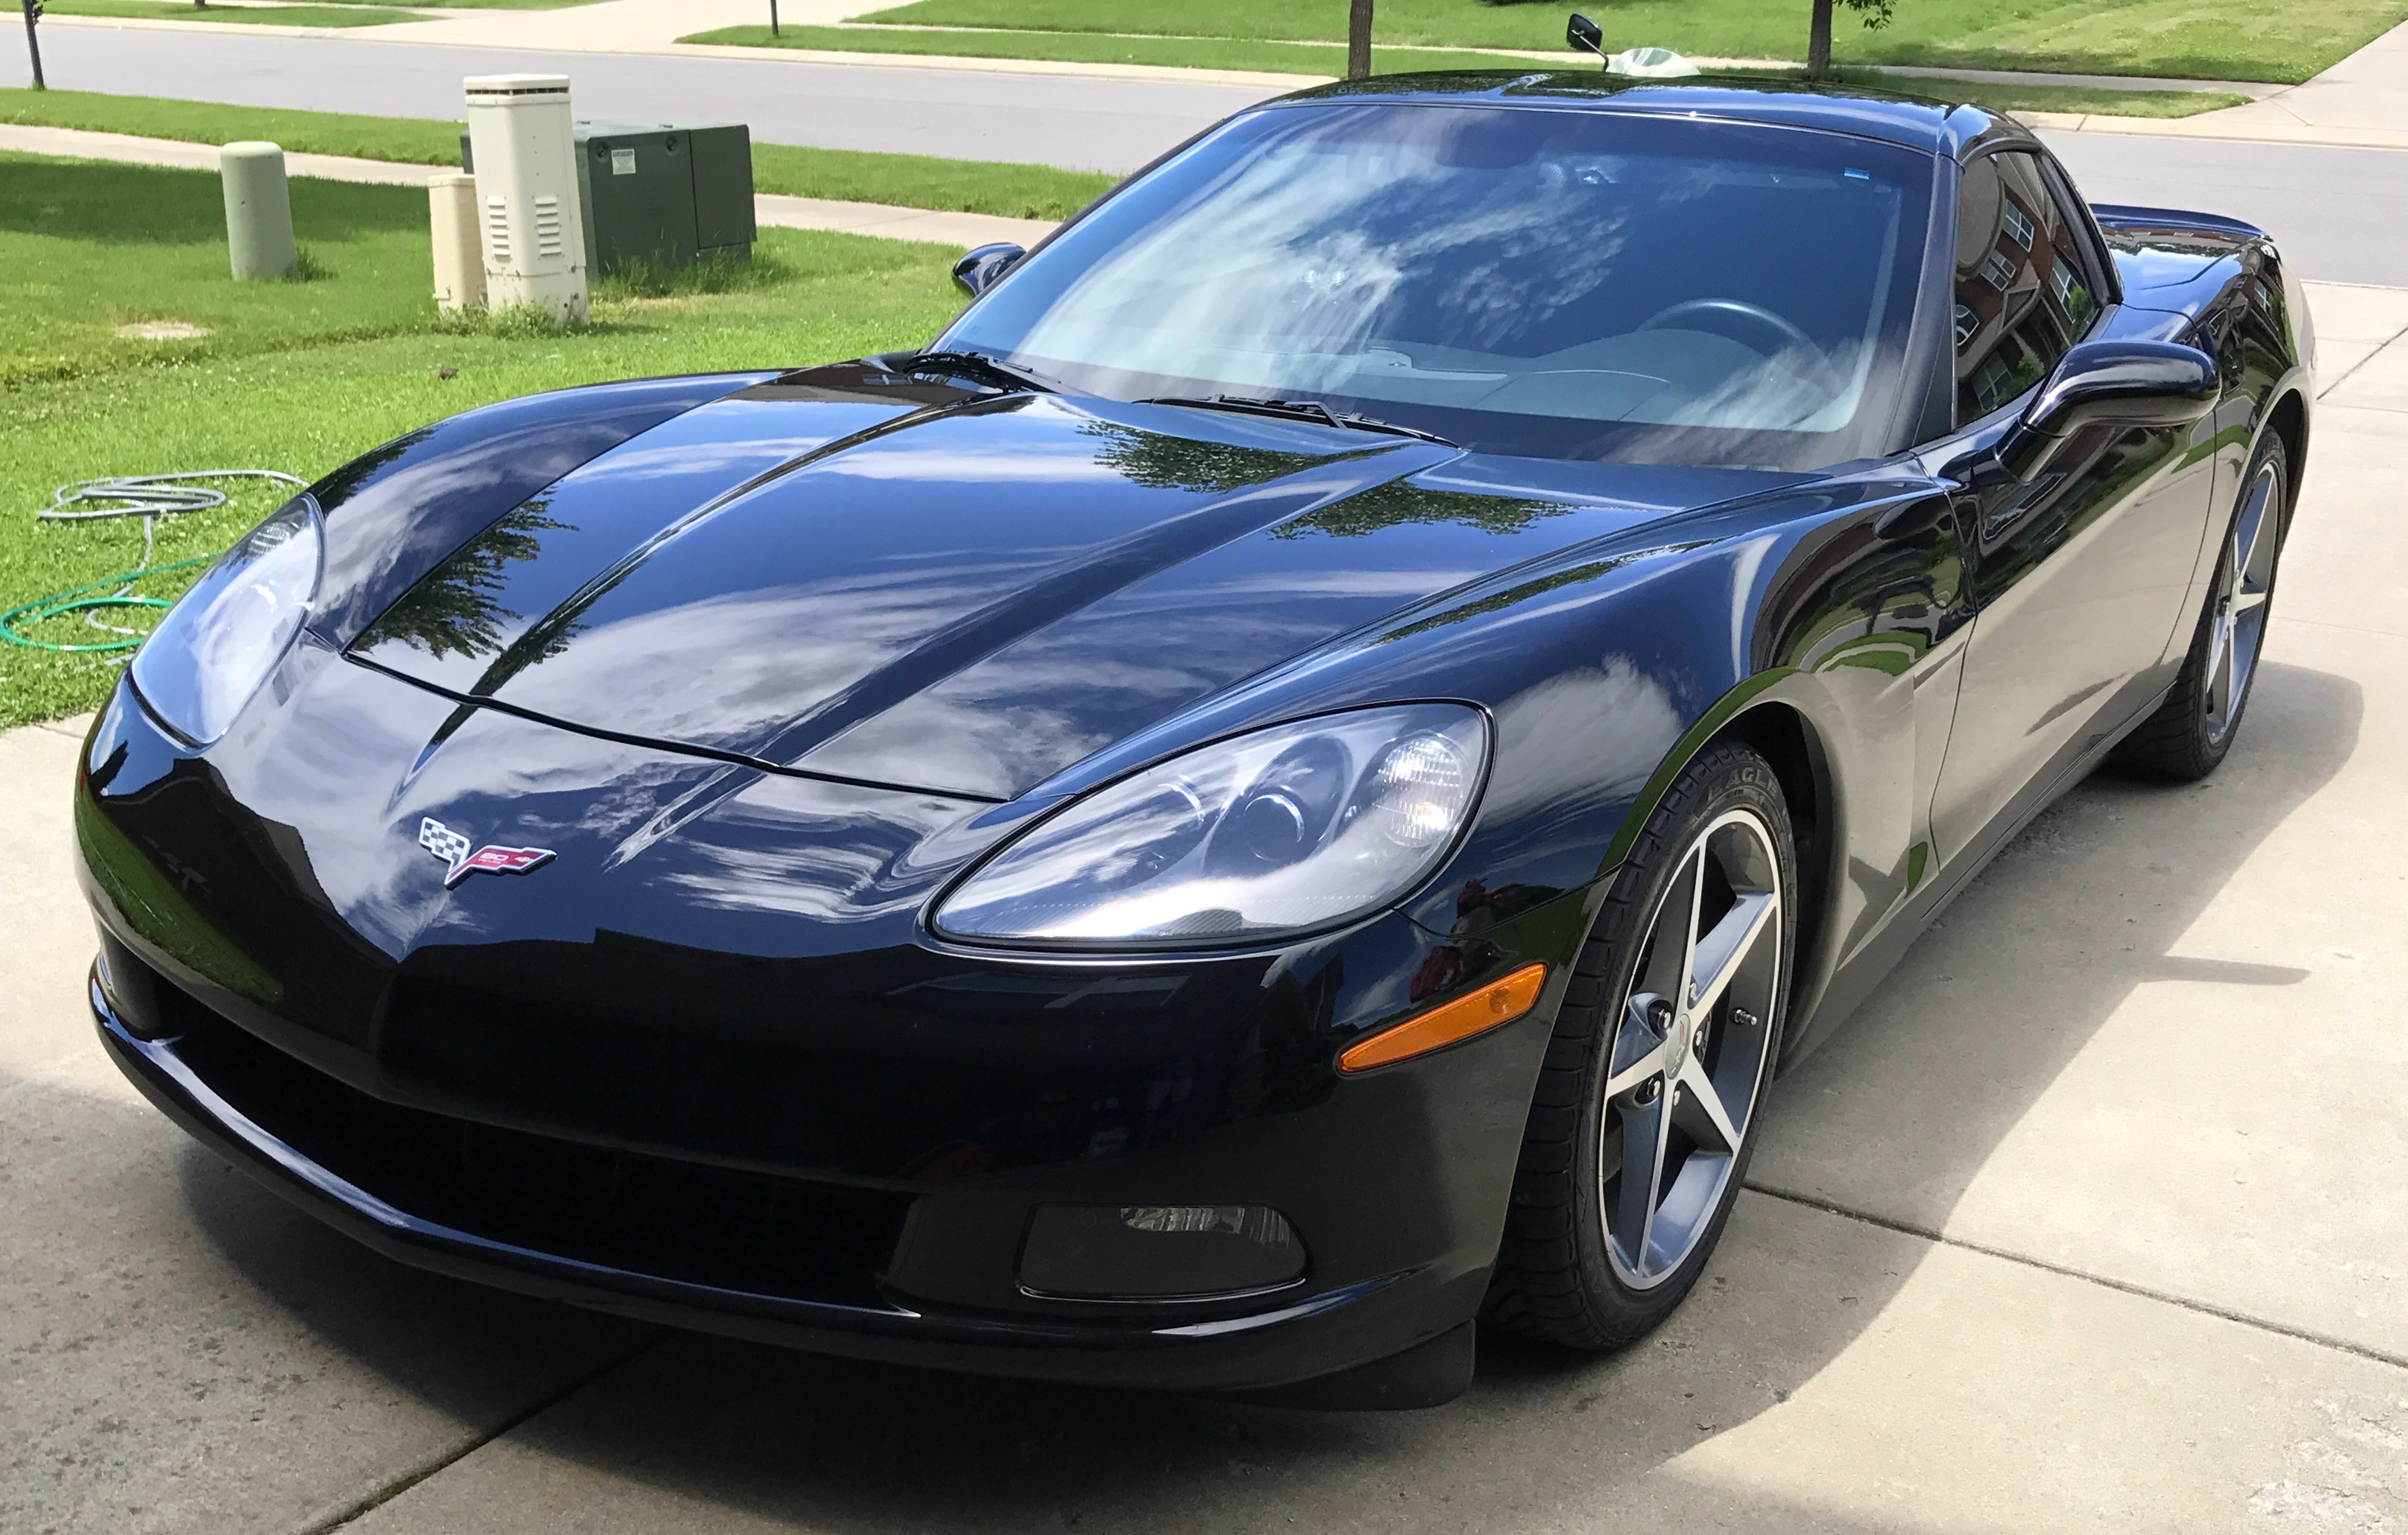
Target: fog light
1140,1252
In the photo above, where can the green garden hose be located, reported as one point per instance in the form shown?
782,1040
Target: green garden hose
149,497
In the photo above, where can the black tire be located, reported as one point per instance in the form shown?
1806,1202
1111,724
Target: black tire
2187,737
1554,1281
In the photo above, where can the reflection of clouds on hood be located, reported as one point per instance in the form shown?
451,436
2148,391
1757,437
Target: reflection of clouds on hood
1598,731
342,721
723,461
817,881
778,845
1037,705
969,746
931,460
715,670
818,851
414,543
495,780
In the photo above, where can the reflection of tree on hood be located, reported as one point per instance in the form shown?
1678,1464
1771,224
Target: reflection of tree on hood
1159,461
340,486
456,609
1399,502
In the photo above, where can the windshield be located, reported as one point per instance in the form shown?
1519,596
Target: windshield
1561,283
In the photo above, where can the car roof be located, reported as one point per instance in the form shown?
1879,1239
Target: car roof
1938,126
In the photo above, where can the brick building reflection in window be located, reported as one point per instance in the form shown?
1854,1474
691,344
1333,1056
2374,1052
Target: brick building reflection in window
2022,296
2018,224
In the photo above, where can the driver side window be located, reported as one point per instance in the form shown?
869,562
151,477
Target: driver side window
2023,296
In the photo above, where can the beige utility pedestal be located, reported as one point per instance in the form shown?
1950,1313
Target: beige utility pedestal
459,251
258,213
531,228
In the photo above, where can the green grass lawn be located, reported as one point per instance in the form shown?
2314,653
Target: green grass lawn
1087,47
909,180
301,376
1330,60
341,14
417,141
91,247
2209,40
924,180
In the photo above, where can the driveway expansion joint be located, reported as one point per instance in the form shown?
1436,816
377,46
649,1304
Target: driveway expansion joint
2142,1292
437,1465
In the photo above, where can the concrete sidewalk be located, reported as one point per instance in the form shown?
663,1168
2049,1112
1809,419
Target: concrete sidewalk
2095,1218
935,226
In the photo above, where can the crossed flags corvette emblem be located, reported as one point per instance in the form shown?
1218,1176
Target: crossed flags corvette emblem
453,849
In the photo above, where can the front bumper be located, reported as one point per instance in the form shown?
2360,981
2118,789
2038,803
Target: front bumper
1295,1339
722,1082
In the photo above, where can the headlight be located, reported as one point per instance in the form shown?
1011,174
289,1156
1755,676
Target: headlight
214,648
1289,830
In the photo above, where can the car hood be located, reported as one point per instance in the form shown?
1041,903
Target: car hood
843,576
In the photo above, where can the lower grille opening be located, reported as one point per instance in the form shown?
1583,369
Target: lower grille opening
645,1214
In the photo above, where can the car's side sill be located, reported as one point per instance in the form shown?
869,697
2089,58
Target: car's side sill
1856,980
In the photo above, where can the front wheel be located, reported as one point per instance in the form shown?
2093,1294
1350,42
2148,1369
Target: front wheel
1640,1128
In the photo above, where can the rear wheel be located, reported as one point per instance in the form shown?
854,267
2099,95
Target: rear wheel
2193,729
1641,1125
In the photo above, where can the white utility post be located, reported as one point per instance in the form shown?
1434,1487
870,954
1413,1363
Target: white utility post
258,211
531,228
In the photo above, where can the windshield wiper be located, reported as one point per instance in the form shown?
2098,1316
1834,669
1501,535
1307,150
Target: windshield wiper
971,364
1297,411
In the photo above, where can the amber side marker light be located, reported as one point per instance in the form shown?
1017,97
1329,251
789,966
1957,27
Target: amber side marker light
1475,1013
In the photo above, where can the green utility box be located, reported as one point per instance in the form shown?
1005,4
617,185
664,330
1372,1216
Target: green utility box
661,192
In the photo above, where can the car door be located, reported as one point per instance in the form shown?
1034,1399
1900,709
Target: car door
2078,576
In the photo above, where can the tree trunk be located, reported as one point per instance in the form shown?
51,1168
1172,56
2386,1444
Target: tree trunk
773,20
34,45
1818,42
1358,39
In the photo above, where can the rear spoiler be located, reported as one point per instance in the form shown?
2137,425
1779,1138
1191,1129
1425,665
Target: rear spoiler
2123,216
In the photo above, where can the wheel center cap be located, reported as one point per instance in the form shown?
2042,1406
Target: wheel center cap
1676,1044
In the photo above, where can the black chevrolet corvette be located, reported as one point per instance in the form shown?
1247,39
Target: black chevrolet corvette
1280,792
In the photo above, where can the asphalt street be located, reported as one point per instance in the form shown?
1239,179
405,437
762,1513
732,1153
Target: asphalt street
2340,213
1055,120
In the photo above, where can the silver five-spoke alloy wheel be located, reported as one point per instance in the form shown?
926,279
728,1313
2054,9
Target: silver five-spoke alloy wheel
2238,628
1690,1048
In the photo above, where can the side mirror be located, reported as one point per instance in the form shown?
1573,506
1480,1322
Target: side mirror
2123,383
982,269
1580,32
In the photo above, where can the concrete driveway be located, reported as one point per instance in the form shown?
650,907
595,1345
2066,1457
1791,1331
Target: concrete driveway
2094,1219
